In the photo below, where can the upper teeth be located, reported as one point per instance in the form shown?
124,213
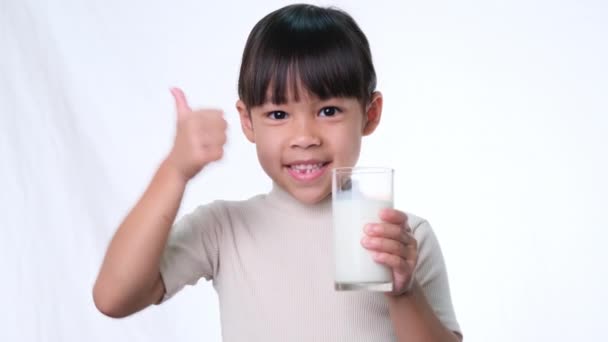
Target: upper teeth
301,167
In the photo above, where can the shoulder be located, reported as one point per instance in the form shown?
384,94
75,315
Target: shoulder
419,225
424,234
221,210
228,209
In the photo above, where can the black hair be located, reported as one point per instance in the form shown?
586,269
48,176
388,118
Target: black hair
323,48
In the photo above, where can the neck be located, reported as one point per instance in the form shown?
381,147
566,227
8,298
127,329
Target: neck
283,199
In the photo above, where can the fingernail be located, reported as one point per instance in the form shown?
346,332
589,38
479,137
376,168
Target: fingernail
369,228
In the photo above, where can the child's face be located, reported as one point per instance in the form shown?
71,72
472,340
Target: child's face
298,143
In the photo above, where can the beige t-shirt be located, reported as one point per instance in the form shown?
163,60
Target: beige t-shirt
270,259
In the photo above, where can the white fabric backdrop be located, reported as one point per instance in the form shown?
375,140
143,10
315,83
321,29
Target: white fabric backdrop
495,120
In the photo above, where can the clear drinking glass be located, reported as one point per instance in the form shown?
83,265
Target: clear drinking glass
358,195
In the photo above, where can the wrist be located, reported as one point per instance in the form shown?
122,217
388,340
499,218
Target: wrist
170,170
406,295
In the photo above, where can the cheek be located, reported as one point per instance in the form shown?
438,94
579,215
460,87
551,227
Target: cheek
352,152
347,146
269,150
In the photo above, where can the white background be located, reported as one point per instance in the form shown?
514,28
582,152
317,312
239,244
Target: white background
495,121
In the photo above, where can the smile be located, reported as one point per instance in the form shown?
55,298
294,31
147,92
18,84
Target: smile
307,171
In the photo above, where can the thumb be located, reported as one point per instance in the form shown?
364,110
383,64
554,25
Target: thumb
181,104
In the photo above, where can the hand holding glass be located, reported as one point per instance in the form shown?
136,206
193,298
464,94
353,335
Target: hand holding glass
358,196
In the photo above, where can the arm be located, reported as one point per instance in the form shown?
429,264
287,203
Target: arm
414,320
129,279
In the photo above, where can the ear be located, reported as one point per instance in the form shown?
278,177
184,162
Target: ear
246,124
373,112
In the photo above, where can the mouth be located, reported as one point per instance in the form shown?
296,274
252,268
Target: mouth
306,171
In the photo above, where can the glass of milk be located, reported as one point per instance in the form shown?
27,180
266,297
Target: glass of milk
358,195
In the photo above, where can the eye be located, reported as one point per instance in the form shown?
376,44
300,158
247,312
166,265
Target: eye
329,111
277,115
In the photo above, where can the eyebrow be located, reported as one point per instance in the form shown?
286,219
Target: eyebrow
315,101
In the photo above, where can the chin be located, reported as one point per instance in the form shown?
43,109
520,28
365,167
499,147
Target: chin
308,188
310,196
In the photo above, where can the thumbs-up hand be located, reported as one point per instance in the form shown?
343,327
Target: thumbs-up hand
200,137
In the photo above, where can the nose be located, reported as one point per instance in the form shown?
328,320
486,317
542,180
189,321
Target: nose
305,134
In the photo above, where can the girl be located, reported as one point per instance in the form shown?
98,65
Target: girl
306,98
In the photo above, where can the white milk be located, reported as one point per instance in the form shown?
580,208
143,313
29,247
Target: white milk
354,263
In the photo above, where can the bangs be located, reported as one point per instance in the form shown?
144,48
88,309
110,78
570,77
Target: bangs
321,51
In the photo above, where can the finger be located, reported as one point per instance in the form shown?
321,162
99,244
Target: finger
217,138
216,153
209,120
395,262
214,140
220,124
411,247
388,246
181,104
393,216
387,230
390,231
207,112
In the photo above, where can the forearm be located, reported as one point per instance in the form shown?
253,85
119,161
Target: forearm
414,320
129,275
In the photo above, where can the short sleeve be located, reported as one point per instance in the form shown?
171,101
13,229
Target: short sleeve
431,274
192,250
